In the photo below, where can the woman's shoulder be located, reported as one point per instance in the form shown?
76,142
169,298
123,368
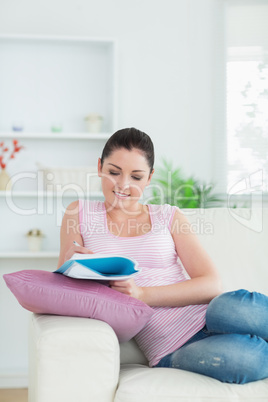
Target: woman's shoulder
163,213
163,209
91,205
84,205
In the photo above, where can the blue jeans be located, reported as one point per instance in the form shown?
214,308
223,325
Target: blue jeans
233,346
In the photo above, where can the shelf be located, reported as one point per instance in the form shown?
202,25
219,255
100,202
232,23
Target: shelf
29,254
55,136
58,38
35,194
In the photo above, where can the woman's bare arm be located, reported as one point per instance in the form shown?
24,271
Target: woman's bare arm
204,285
69,233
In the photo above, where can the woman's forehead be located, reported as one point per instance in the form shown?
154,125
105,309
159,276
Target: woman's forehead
125,157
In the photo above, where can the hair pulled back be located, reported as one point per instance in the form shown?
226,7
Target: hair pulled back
130,138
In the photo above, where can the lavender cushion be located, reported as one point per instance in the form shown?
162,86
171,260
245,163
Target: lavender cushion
46,292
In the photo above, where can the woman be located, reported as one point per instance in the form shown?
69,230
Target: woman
195,327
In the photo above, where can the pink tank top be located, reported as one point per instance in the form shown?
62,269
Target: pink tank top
169,327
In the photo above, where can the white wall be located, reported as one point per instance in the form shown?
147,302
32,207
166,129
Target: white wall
169,69
246,23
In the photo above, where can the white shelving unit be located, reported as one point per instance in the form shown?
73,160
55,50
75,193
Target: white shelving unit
28,254
48,79
55,136
45,81
44,194
54,80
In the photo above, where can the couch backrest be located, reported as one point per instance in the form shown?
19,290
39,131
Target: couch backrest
237,241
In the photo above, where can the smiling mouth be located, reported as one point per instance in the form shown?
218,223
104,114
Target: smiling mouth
121,195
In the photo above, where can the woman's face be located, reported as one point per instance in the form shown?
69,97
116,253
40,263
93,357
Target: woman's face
124,175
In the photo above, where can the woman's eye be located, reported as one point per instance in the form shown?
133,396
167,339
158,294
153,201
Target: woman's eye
111,172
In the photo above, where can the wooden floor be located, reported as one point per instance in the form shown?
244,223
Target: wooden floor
14,395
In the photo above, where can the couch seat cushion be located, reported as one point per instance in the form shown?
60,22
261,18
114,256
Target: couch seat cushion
139,383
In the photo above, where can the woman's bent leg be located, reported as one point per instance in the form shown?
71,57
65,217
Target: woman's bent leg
238,312
229,358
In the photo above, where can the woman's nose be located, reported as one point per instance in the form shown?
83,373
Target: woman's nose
122,183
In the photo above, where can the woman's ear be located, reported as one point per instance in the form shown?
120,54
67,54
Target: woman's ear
99,167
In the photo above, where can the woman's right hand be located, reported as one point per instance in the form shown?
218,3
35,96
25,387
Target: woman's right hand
76,249
69,233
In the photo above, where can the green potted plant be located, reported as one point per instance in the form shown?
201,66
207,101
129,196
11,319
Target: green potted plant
170,186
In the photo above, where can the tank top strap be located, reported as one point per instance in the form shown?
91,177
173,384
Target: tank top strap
162,215
91,215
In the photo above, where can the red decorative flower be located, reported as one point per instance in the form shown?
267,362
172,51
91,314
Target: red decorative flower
4,150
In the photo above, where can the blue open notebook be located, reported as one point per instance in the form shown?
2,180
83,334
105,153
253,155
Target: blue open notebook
100,267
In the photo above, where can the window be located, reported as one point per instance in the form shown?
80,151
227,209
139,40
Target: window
247,93
247,113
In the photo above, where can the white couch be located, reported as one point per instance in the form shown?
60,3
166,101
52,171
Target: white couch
80,360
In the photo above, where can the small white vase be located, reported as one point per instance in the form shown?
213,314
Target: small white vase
5,181
93,123
34,243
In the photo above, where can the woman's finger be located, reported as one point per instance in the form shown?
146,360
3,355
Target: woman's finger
82,250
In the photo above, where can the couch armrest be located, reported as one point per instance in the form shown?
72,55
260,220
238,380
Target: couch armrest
72,359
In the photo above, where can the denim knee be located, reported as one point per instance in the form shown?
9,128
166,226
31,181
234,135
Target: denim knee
219,310
240,312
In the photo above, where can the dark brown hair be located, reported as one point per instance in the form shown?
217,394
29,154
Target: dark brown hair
130,138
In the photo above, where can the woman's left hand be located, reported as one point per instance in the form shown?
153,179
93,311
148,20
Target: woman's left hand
127,287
